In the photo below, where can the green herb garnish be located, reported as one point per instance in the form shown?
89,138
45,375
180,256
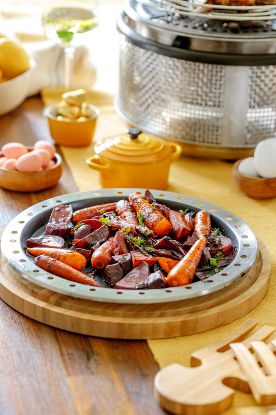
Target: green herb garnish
148,232
183,212
216,270
213,262
126,229
78,226
149,248
102,211
138,241
65,35
106,221
140,218
215,232
219,255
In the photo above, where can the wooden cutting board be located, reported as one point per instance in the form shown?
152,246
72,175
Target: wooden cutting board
134,321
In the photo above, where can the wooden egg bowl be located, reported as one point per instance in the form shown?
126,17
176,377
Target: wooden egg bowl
31,181
255,187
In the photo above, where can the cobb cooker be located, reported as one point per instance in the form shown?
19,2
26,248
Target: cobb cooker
204,77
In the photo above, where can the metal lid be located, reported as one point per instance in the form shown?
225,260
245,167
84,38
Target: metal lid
134,148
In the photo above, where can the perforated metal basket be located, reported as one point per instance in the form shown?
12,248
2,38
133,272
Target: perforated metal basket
193,94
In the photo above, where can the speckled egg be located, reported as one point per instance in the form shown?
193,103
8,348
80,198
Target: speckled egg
44,154
9,164
14,150
29,163
265,158
46,146
2,160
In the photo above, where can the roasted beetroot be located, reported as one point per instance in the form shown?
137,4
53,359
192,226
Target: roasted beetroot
125,261
60,221
113,273
220,244
135,279
45,241
167,253
85,252
157,280
169,243
149,196
181,227
100,235
82,231
119,245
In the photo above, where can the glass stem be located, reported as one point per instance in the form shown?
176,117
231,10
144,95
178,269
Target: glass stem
69,52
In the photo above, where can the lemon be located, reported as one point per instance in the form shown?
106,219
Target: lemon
14,60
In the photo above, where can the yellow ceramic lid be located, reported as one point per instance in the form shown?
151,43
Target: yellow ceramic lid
134,147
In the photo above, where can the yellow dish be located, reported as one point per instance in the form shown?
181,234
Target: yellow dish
134,160
71,133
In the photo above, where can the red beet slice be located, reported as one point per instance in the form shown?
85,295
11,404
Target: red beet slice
45,241
135,279
60,221
119,245
157,280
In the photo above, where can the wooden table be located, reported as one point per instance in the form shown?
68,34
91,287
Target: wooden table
49,371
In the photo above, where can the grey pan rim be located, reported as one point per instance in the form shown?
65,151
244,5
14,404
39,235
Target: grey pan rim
12,247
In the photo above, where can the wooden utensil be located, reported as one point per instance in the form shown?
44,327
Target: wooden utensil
208,388
262,379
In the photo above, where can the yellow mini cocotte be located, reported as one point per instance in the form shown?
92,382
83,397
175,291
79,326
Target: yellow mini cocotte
134,160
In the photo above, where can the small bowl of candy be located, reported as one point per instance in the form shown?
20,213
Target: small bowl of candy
29,169
72,122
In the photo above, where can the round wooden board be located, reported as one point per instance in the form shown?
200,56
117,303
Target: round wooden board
132,321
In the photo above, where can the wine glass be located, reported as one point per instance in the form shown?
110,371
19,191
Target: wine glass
70,25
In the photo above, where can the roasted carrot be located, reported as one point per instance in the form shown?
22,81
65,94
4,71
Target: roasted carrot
167,263
102,256
151,217
123,209
202,223
62,270
71,258
183,273
90,212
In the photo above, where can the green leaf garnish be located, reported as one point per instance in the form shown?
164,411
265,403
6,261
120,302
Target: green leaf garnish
219,255
138,241
149,248
65,35
78,226
216,270
215,232
140,218
106,221
148,232
183,212
102,211
126,229
213,262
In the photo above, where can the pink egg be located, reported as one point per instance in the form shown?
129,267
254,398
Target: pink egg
29,163
2,160
51,165
45,156
9,164
46,146
14,150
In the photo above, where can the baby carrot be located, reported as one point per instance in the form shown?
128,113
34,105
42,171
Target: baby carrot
167,263
90,212
202,223
151,217
102,256
71,258
62,270
184,271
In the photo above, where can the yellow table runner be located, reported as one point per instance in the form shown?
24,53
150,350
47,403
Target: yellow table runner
206,179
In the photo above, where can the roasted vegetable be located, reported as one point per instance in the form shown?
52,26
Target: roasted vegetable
45,241
113,273
157,280
119,245
85,252
60,221
220,244
183,273
123,209
181,228
170,244
98,236
125,261
103,255
152,218
135,279
91,212
71,258
82,231
63,270
202,224
138,257
167,264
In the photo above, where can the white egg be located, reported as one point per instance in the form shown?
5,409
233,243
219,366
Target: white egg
265,158
247,167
